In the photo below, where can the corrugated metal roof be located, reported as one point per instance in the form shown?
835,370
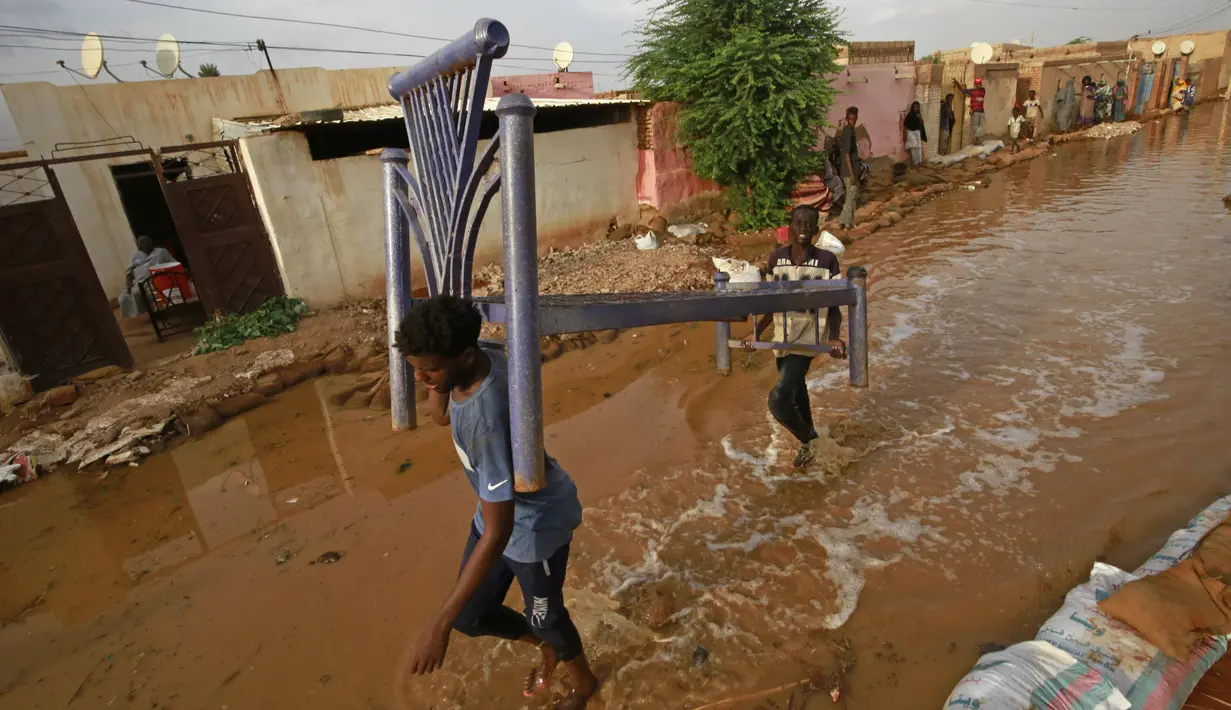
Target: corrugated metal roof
394,111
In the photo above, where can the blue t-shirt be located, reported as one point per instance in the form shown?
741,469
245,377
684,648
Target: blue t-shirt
543,521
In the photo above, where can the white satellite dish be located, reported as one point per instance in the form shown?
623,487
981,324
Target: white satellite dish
562,56
1159,48
981,53
1187,47
91,55
167,55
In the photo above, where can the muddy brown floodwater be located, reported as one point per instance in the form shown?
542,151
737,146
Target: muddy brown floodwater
1052,376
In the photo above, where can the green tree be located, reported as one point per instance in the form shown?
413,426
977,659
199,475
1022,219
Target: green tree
752,80
1080,40
209,70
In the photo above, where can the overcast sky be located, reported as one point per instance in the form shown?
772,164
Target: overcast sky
590,25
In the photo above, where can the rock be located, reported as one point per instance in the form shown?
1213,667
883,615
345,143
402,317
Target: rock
101,373
607,337
620,233
700,655
61,396
238,404
658,225
268,384
336,361
647,214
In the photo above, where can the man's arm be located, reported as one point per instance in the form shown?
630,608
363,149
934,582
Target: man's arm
491,454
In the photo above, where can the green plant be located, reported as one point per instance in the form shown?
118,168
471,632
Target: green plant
208,70
1080,40
929,59
277,317
752,81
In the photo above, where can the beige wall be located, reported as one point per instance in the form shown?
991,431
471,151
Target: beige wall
326,222
157,114
1209,45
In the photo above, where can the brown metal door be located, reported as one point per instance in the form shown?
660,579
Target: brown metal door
54,313
220,229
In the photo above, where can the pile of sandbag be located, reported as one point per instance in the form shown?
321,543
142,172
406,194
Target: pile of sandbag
1122,640
978,150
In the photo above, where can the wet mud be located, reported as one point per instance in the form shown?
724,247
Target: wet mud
1050,362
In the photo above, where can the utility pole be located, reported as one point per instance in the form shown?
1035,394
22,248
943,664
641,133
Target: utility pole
260,44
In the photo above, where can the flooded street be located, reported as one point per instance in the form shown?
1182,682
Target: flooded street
1051,369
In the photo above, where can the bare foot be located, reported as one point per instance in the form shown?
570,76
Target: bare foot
540,676
585,685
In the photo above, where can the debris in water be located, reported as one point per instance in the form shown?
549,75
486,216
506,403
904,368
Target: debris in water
835,694
284,557
292,501
700,655
404,466
328,558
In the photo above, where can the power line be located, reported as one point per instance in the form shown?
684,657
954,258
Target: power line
86,94
121,38
343,27
1195,19
1074,8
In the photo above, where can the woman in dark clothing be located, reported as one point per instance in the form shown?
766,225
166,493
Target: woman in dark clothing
947,121
914,134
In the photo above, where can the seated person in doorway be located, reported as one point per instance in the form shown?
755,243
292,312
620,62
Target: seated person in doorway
147,257
799,260
513,534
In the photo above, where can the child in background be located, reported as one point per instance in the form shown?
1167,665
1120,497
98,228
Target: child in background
1015,129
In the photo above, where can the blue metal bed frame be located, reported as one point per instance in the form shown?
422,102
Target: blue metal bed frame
442,98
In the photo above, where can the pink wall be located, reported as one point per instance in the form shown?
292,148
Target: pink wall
560,85
664,175
883,100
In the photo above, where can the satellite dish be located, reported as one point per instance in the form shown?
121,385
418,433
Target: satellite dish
562,56
1159,48
167,55
1187,47
91,55
981,53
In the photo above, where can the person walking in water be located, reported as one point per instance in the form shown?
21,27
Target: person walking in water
977,96
914,133
947,122
848,166
800,259
513,534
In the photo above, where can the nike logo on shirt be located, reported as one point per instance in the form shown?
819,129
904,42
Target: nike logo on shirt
490,487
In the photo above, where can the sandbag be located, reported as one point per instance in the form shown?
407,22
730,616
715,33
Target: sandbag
740,271
1182,542
1038,676
1147,677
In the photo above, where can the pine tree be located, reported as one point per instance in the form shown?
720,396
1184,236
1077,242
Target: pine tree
752,80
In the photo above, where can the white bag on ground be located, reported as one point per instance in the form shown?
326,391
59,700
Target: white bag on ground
740,271
1034,676
1146,676
688,230
646,242
1182,542
830,243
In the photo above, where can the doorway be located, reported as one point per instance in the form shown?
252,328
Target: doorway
145,204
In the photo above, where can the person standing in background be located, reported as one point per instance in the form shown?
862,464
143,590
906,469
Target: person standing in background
1015,130
1119,101
914,134
947,121
1034,116
1088,91
977,96
848,165
1066,100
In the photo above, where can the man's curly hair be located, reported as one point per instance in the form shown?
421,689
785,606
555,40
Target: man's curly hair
445,326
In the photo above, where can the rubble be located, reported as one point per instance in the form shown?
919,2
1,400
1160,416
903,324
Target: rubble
1107,131
612,267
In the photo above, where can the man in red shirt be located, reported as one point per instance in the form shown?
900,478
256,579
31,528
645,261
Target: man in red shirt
977,96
